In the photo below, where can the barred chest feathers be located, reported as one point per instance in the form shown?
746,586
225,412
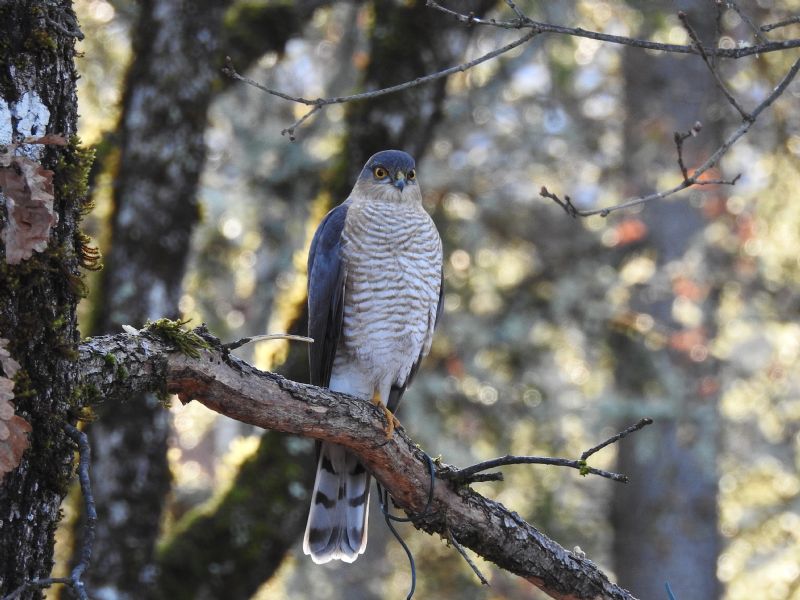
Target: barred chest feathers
393,259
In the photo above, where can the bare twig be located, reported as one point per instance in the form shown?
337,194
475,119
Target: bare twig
269,336
746,18
711,161
467,474
540,27
520,15
720,84
784,23
454,542
615,438
566,203
75,579
36,583
319,103
290,130
679,139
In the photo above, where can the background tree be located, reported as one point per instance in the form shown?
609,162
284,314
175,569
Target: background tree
672,497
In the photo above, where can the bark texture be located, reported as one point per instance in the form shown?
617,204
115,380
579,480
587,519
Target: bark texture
238,390
665,521
161,155
39,295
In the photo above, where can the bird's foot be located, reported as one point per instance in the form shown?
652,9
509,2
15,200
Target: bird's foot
391,420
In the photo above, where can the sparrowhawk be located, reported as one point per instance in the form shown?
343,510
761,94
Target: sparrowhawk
374,296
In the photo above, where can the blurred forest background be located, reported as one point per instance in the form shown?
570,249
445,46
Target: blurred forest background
557,332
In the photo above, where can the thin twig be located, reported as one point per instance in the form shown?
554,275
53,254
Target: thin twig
615,438
290,130
520,15
454,542
746,18
679,139
269,336
318,103
720,84
36,583
466,474
482,478
711,161
735,53
566,203
784,23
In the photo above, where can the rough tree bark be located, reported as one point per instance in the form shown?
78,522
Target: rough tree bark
38,296
195,366
665,521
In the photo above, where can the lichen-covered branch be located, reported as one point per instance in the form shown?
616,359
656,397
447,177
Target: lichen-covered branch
236,389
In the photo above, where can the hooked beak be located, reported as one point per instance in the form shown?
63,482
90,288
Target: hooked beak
400,181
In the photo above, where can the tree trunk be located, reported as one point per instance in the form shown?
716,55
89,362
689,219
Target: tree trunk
38,296
665,520
161,155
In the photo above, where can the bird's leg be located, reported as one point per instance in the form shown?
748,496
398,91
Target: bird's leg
391,420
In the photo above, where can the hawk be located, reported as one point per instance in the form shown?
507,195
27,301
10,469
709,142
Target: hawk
374,297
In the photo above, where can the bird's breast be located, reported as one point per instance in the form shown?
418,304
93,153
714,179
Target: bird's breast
393,260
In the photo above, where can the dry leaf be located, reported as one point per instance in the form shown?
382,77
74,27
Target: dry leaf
28,189
13,428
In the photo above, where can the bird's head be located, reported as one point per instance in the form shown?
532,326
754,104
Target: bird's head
388,174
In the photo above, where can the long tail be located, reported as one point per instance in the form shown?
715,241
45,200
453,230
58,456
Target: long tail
337,521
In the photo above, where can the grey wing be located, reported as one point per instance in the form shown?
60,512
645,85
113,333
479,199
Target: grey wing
326,280
397,391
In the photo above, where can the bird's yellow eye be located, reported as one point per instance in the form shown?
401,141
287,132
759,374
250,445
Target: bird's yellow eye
412,175
380,173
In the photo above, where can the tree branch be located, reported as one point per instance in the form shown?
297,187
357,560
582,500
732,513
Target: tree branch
757,31
696,177
234,388
539,27
467,474
684,18
784,23
318,103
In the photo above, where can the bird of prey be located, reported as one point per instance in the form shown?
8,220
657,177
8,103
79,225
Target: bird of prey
374,296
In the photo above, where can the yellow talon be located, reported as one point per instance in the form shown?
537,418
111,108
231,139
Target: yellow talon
391,420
